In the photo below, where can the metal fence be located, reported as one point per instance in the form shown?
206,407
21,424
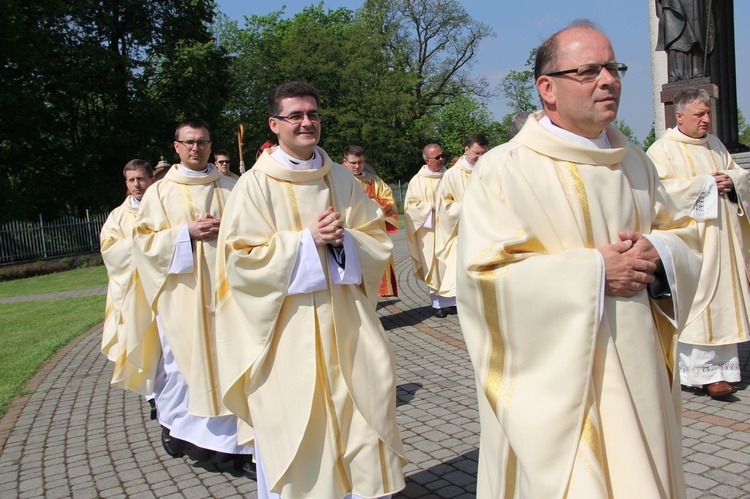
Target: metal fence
29,240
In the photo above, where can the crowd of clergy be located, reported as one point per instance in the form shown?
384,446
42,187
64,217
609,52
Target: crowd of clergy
591,281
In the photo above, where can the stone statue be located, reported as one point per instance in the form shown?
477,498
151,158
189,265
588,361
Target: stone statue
686,33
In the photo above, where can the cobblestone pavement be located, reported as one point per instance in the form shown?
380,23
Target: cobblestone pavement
74,436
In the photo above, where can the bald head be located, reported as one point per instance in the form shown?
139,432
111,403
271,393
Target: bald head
585,101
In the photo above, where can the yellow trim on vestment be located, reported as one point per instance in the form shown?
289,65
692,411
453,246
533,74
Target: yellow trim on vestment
584,201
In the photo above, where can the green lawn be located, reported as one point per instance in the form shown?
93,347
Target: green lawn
89,277
31,332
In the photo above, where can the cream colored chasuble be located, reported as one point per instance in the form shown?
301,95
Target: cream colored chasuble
420,200
129,336
314,372
450,197
576,389
719,315
184,302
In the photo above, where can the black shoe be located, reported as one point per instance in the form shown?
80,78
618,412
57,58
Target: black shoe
245,464
173,446
451,310
440,312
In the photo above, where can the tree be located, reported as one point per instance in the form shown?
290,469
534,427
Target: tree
627,131
650,138
519,87
88,85
435,40
744,129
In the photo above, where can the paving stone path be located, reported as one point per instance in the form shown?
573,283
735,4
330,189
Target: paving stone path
75,436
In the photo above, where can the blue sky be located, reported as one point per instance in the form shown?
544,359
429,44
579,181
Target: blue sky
521,25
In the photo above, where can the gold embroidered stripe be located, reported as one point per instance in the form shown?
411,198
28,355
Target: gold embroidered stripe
383,466
189,201
293,202
494,381
199,252
584,201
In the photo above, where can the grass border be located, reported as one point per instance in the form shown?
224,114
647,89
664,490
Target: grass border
9,420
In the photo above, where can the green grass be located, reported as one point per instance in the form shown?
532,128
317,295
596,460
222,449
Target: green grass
90,277
31,332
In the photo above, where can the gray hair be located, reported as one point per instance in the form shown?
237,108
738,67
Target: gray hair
689,96
517,122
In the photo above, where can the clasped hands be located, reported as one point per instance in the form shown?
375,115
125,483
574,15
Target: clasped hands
328,229
629,265
205,228
723,182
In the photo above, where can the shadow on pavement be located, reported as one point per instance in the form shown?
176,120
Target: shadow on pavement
451,479
405,393
406,318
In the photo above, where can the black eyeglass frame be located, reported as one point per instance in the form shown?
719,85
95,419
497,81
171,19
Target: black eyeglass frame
318,117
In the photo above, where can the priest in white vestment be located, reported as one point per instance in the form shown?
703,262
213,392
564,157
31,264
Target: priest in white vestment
175,252
563,242
302,356
450,198
127,315
698,171
420,203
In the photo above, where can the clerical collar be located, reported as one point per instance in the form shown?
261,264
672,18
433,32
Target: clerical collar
192,173
442,170
314,163
601,142
134,202
466,163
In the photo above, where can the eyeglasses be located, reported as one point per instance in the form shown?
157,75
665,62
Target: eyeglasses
298,118
191,143
439,156
222,162
589,72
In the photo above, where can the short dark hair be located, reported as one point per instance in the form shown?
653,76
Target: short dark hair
689,95
354,151
191,123
290,89
138,164
222,152
546,54
476,138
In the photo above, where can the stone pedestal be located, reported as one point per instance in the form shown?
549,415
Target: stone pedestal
742,159
670,90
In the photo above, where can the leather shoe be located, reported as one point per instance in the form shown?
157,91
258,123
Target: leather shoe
173,446
720,389
440,312
247,466
451,310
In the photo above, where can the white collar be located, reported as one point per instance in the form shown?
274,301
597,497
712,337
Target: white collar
314,163
466,162
134,202
600,142
192,173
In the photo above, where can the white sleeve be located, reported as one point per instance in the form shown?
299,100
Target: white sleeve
706,207
182,260
667,263
428,222
352,271
308,274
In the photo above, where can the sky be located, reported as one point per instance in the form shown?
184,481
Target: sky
521,25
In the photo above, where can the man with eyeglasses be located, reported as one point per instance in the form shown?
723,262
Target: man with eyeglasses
420,203
303,357
175,253
450,198
575,273
380,192
697,170
222,162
